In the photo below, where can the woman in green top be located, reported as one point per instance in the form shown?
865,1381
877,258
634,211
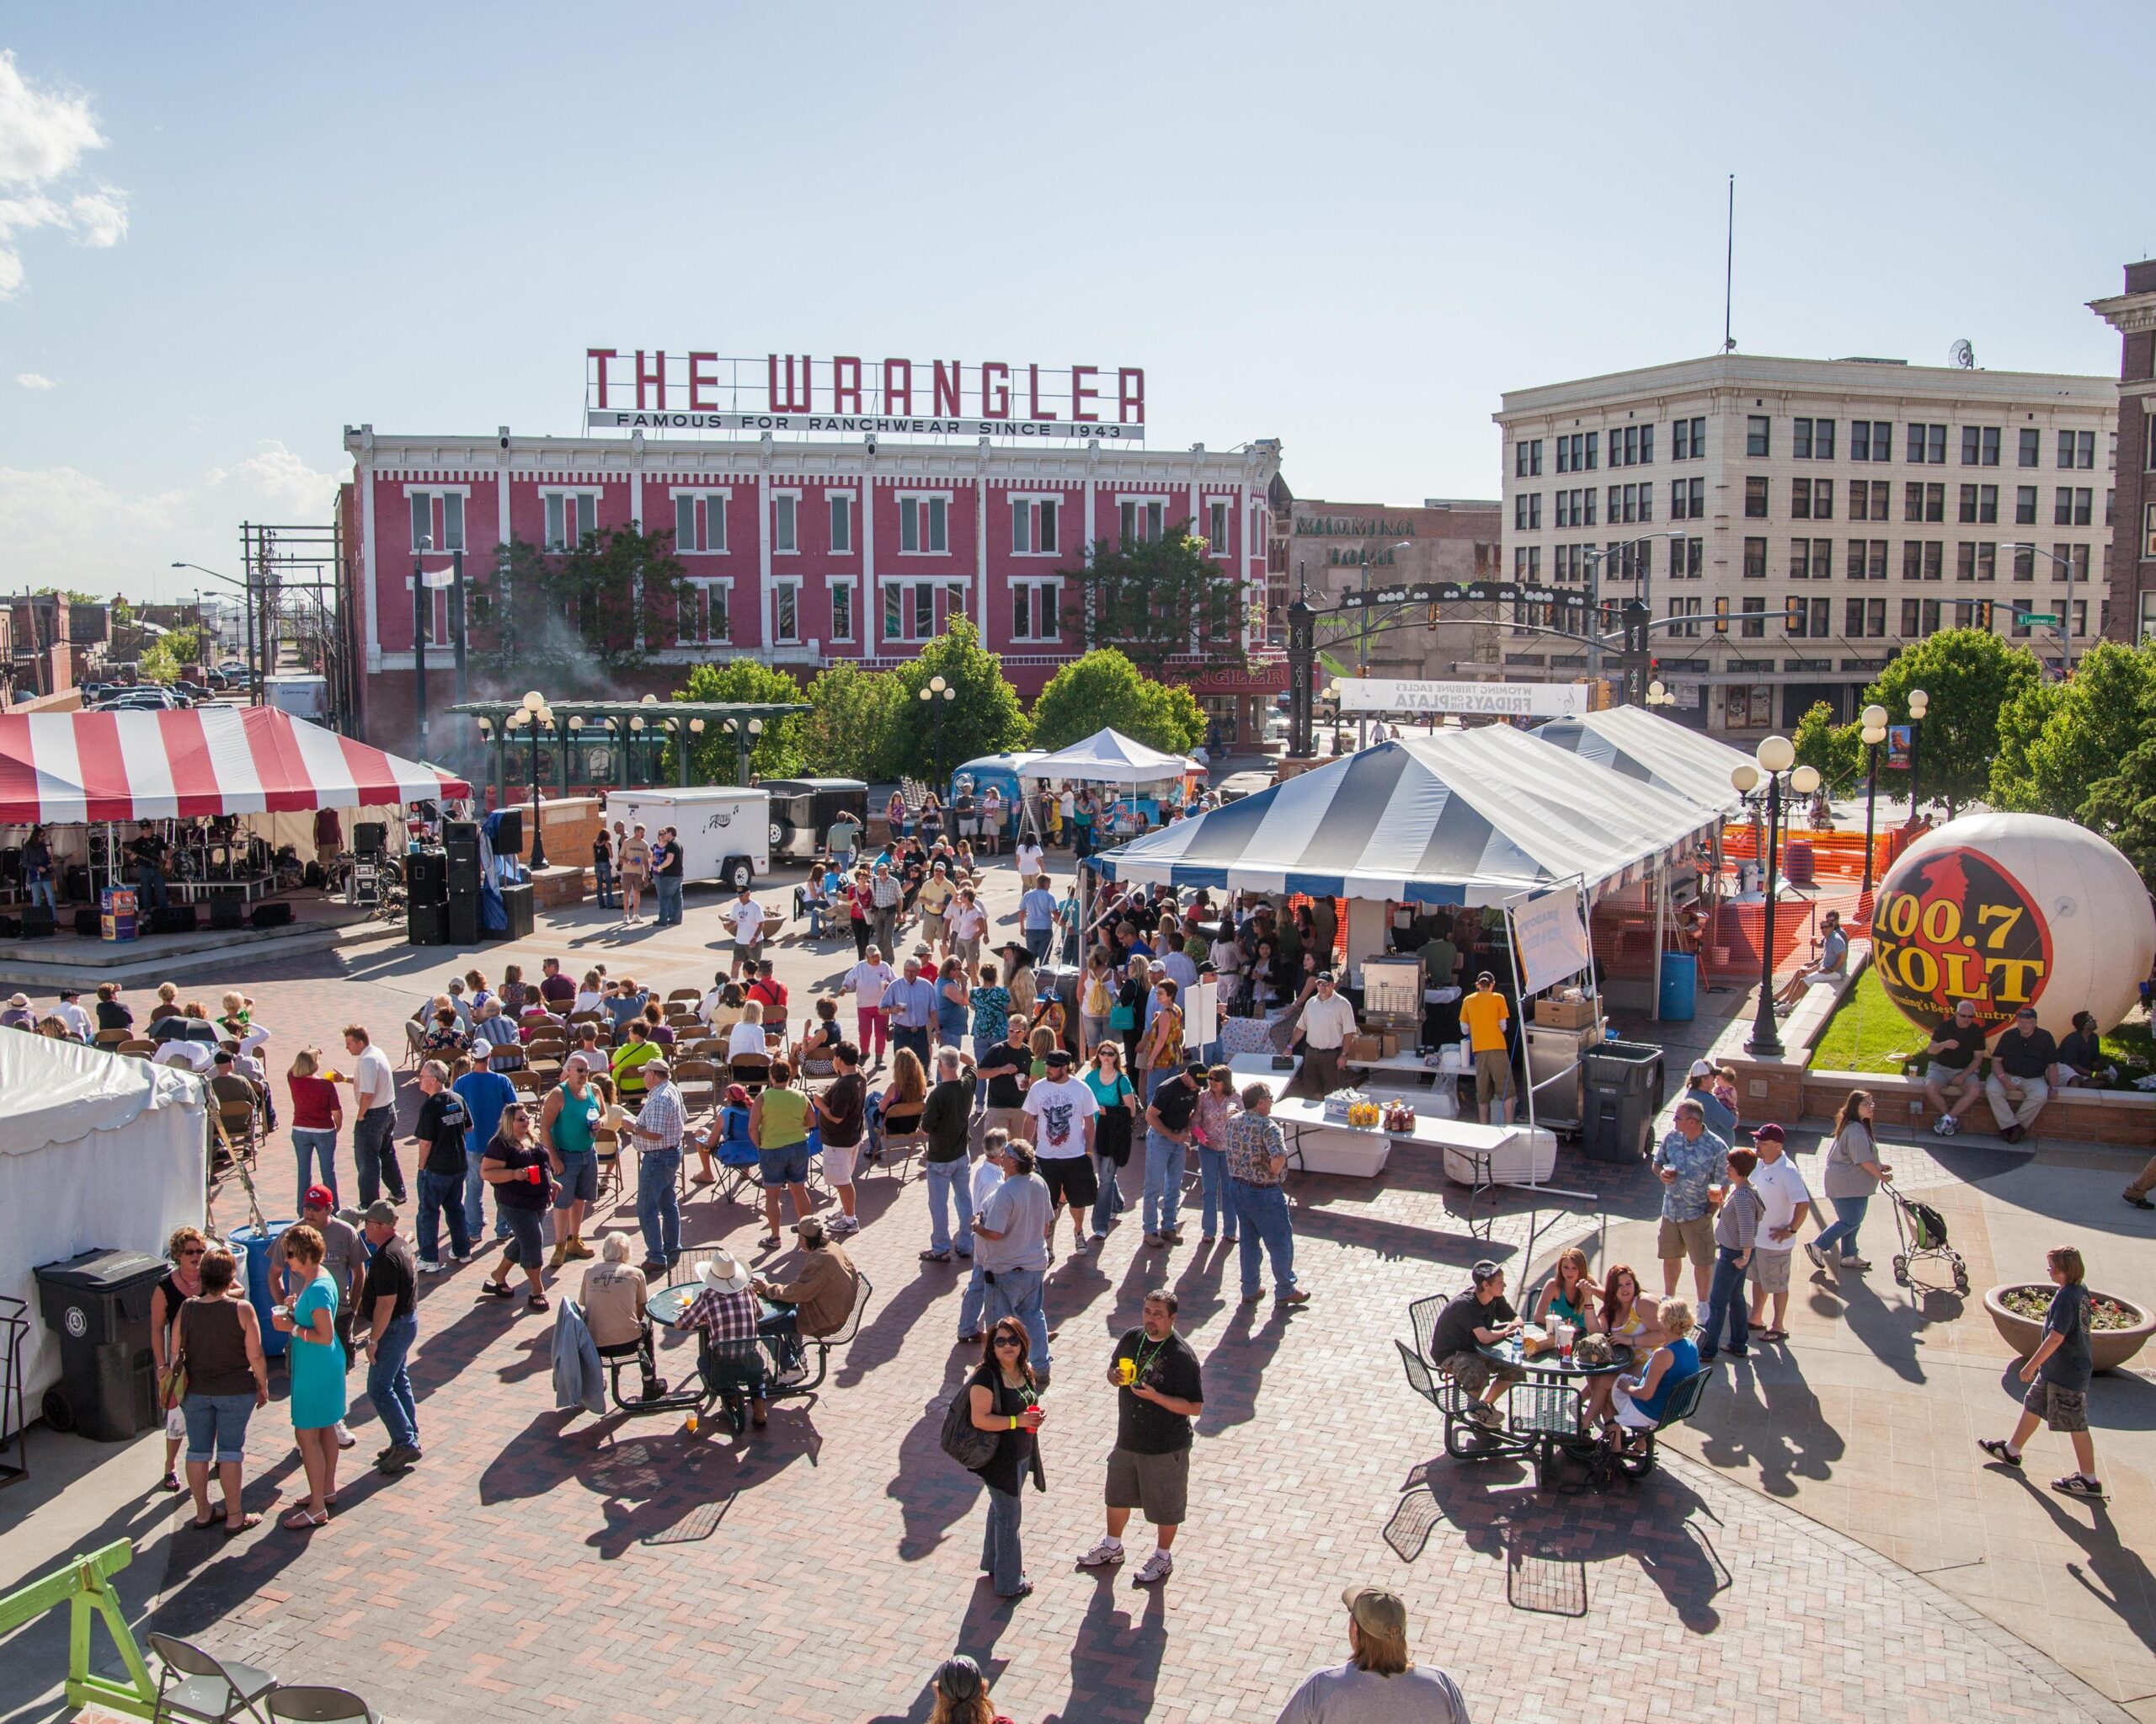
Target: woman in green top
1569,1295
629,1060
778,1126
1114,1130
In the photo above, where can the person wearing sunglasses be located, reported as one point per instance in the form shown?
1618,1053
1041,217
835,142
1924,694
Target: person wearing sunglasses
184,1250
1006,1400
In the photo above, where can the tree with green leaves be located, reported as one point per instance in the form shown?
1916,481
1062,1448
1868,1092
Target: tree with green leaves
2122,807
575,622
983,718
2057,740
1105,688
1159,598
1835,751
1971,676
715,756
853,732
170,656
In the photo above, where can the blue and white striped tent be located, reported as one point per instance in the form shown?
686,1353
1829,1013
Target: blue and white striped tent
1463,817
1646,746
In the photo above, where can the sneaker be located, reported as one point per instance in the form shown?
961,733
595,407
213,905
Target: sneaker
1818,1257
1156,1568
1944,1126
1105,1555
345,1439
1996,1447
1484,1415
2138,1202
2079,1484
428,1266
1856,1263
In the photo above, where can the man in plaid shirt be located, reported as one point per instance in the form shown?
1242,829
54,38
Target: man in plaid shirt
726,1312
1257,1200
658,1131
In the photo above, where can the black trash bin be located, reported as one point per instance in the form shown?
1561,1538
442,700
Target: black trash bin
1622,1082
98,1306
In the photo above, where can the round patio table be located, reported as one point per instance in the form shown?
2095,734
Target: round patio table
1549,1418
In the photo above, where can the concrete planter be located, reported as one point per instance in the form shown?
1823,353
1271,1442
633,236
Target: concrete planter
2108,1348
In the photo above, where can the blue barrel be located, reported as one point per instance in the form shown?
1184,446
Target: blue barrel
1680,987
256,1248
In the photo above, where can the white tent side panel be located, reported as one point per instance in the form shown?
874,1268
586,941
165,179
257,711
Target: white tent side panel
97,1150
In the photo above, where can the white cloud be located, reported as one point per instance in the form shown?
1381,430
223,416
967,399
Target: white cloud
64,527
31,380
43,135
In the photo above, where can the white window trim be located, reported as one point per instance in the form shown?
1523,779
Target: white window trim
853,500
719,586
1027,500
1037,581
1226,500
852,586
431,492
924,498
771,526
907,585
579,493
779,585
1159,499
707,494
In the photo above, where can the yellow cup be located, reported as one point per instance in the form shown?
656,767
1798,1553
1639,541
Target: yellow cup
1126,1371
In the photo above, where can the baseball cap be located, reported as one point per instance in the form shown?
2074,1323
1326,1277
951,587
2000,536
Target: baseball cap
319,1196
1701,1068
1768,1131
382,1213
1377,1611
737,1094
1327,976
1485,976
2028,1011
811,1231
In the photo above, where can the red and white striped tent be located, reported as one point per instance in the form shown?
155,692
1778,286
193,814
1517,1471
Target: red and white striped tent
63,767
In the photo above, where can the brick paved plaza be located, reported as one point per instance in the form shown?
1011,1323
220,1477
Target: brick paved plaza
542,1564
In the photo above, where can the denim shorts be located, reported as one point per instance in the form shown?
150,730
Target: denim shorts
579,1179
218,1423
786,1165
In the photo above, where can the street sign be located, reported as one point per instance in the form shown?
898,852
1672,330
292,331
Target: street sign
2038,619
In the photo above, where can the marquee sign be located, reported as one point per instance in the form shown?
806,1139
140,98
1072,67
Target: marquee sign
1502,700
653,390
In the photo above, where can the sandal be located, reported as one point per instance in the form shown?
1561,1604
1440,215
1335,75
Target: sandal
170,1481
203,1526
537,1302
493,1289
1773,1334
300,1520
245,1521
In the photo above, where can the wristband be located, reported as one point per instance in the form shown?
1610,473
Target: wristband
1014,1421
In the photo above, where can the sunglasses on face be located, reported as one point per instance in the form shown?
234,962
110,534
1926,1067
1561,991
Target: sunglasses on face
193,1251
1005,1341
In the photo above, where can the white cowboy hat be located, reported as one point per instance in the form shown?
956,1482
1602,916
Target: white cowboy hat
726,1274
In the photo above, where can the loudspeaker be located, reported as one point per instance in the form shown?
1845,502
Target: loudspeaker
227,909
174,919
88,924
427,923
460,832
509,832
39,923
271,915
370,838
426,877
75,882
11,927
463,914
518,901
463,875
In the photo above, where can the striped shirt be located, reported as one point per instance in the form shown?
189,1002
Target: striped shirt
661,1119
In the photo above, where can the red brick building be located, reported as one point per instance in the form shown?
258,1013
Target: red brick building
2133,614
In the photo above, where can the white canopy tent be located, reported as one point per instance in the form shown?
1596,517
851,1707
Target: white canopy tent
1109,757
1646,746
96,1150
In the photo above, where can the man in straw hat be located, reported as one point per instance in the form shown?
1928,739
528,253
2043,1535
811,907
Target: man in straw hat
725,1314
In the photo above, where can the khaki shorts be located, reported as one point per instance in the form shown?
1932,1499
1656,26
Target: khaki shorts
1158,1485
1770,1270
1493,1074
1015,1120
1694,1239
2061,1409
931,927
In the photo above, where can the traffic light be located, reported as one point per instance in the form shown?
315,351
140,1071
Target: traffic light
1721,615
1984,615
1793,615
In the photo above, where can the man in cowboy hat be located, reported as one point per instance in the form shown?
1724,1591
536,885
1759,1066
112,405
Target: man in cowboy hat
725,1314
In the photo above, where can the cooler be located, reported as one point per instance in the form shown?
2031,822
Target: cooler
256,1247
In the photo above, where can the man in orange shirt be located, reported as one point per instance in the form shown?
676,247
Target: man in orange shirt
1487,1019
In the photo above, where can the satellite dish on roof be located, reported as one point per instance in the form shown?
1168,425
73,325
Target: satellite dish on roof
1962,354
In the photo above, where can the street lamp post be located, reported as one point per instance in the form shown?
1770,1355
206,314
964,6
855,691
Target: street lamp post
1875,733
1658,695
939,695
1919,704
1363,642
1774,756
744,737
537,715
2066,617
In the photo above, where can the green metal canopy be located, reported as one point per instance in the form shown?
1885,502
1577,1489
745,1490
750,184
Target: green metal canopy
613,721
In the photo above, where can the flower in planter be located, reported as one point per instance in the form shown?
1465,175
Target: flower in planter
2034,1303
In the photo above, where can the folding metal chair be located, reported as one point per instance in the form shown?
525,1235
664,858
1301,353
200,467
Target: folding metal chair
198,1684
319,1706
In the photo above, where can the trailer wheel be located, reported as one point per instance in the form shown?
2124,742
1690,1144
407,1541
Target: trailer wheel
737,873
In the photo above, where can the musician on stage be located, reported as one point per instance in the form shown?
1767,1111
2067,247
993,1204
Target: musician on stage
148,850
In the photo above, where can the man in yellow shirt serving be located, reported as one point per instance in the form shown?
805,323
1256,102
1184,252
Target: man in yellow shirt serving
1486,1018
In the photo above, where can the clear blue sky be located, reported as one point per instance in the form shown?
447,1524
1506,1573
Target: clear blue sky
1349,228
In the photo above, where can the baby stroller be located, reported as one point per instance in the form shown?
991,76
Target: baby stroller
1923,1232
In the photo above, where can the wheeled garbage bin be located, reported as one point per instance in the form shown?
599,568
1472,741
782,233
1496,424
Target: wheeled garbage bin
97,1306
1622,1083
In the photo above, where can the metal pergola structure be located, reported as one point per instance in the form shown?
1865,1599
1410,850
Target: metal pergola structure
648,723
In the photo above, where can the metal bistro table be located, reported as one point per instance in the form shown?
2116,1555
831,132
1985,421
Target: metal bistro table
1551,1415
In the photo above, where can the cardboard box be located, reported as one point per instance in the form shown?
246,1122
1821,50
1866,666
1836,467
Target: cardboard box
1565,1014
1389,1044
1360,1051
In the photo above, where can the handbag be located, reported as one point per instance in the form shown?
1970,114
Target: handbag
962,1440
172,1384
1123,1017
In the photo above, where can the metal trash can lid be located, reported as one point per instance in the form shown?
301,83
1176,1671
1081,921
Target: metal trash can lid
106,1270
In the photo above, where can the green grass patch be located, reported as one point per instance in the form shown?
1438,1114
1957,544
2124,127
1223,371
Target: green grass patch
1868,1032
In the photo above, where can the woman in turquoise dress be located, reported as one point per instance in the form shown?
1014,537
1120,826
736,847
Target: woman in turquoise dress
316,1367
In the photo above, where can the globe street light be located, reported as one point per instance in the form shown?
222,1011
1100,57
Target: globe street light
742,734
1875,733
1657,695
939,695
1919,704
535,715
1776,757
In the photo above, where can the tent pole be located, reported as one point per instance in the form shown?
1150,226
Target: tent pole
1654,969
1519,995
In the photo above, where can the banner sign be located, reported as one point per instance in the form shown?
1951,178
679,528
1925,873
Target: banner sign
1502,700
649,390
1549,938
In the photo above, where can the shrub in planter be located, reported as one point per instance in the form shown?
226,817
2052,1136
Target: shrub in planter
2117,1327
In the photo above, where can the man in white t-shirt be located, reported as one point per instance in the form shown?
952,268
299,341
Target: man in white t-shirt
1062,1108
745,916
1781,1190
374,1112
70,1012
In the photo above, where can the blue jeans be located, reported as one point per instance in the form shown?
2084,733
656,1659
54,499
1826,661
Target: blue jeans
1017,1293
316,1149
1262,1213
1164,1160
1037,942
950,1186
1725,1307
1109,1204
374,1154
150,889
1000,1552
1848,1216
1213,1190
602,881
658,1204
41,891
971,1302
475,1200
670,899
217,1426
389,1385
442,1192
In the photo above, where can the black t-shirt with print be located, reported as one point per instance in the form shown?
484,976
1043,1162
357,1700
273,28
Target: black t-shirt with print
1003,1065
1964,1042
443,1122
391,1272
1175,1102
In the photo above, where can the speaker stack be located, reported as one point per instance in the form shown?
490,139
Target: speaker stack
517,900
227,909
39,923
274,914
370,837
509,832
426,885
460,847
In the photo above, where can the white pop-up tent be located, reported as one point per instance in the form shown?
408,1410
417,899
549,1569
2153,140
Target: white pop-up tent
96,1150
1635,743
1109,757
